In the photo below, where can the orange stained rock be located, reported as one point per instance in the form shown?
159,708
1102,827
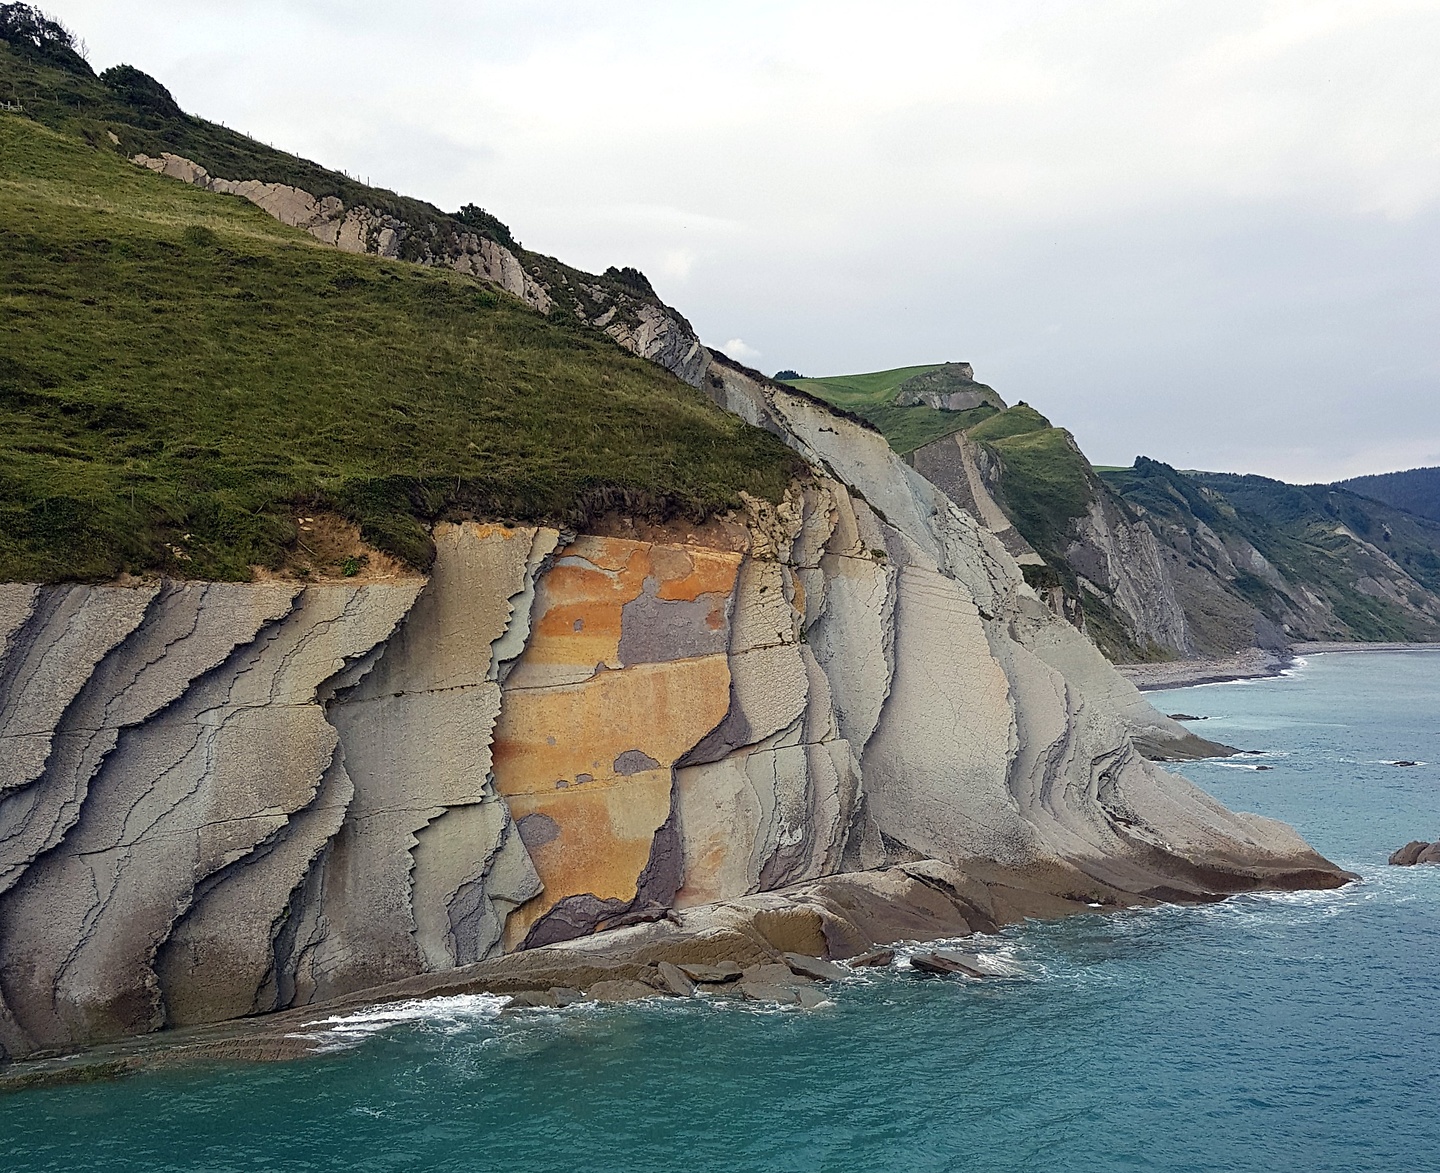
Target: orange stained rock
579,601
595,758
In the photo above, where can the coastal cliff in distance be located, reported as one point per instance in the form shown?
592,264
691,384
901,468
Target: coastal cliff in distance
332,668
1153,563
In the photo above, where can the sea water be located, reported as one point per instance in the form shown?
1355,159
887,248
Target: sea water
1268,1033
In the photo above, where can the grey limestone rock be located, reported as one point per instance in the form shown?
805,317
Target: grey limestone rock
620,990
427,862
725,971
675,980
947,961
183,796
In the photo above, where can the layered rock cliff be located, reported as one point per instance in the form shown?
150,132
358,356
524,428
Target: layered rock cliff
227,799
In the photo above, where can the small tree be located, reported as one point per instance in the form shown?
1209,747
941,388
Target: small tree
632,279
37,35
483,222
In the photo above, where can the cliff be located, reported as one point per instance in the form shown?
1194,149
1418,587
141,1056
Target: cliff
1155,564
708,685
226,799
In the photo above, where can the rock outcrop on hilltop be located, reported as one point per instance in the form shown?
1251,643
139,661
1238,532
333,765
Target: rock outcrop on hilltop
635,318
229,799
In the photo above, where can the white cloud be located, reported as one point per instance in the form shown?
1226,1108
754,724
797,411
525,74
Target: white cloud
737,350
1183,229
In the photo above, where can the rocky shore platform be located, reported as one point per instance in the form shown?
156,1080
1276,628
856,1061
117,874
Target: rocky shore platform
782,947
1251,664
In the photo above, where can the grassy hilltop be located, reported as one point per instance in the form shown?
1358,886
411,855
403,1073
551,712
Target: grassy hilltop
179,374
1045,480
872,397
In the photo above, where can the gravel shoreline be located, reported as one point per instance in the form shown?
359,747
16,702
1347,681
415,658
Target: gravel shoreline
1251,664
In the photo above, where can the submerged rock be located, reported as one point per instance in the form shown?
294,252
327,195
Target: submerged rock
947,961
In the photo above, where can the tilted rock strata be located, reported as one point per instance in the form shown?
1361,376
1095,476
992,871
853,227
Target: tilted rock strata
264,797
229,800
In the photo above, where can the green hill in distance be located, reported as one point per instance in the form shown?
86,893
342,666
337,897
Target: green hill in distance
881,398
1416,490
1044,480
180,374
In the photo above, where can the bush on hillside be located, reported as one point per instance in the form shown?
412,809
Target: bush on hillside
632,279
482,221
141,91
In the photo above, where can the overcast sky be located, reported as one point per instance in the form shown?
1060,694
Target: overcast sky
1207,232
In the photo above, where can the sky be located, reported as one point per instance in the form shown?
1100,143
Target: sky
1206,231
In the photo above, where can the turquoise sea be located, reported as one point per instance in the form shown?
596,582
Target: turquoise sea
1291,1032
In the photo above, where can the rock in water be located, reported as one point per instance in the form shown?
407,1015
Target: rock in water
814,967
947,961
675,981
1414,852
620,991
877,958
726,971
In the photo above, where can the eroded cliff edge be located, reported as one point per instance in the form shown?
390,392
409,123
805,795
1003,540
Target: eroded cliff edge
220,800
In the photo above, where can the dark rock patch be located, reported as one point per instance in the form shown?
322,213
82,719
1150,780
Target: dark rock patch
725,971
634,761
537,829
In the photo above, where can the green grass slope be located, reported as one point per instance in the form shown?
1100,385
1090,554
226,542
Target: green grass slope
126,112
1045,480
872,397
58,89
179,373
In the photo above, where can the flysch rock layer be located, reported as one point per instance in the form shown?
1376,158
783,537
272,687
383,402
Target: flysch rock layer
814,727
203,783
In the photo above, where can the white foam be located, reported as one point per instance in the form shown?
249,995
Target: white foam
450,1015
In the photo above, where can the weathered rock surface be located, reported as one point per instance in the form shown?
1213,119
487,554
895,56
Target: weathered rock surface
950,962
815,967
816,728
